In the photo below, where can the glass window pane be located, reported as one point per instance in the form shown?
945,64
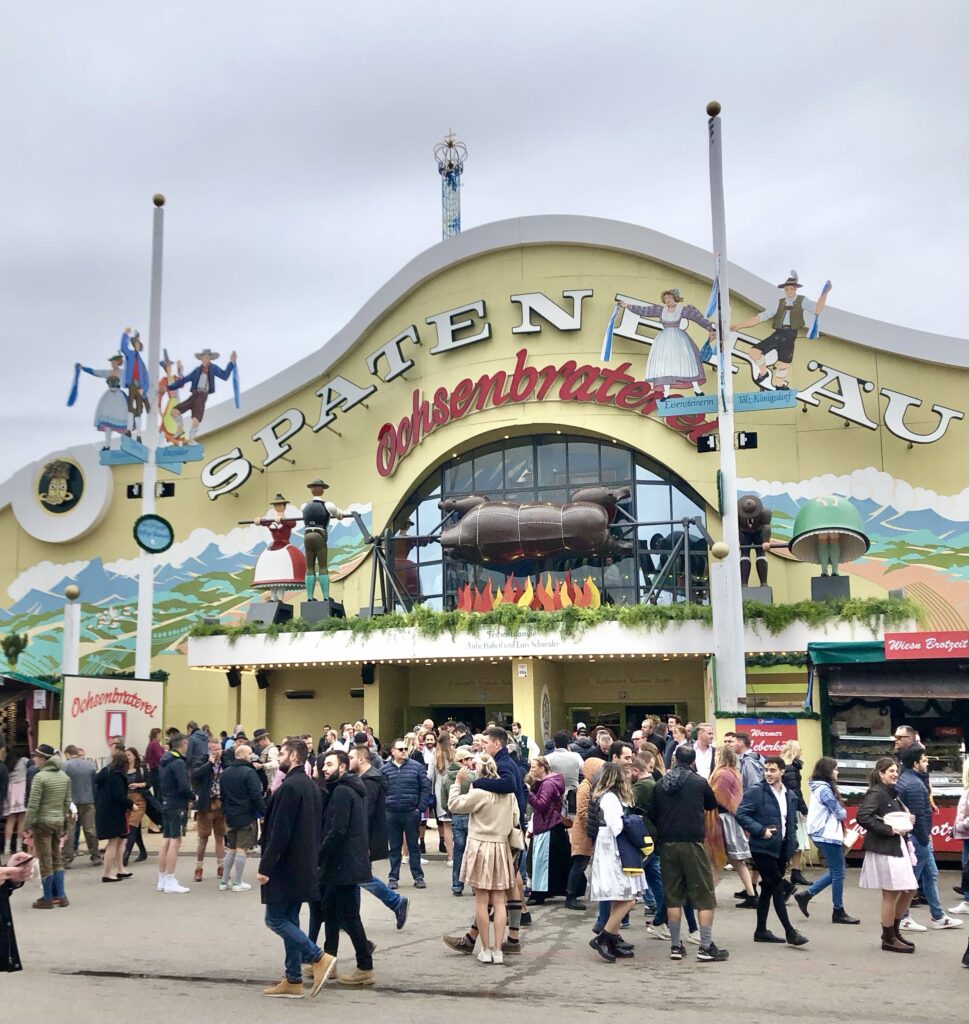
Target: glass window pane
429,553
551,465
652,505
428,516
520,467
618,596
489,474
684,507
643,474
557,497
457,476
432,578
583,463
520,496
616,464
436,604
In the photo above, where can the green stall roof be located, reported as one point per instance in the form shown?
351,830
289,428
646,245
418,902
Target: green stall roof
855,653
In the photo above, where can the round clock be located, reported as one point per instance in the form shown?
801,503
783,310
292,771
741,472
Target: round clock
153,534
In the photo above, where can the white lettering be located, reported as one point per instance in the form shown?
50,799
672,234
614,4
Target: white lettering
894,417
851,404
337,392
226,473
541,304
274,443
396,363
447,328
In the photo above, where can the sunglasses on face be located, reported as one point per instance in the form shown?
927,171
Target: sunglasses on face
400,750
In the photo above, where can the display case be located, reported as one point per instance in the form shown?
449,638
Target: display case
856,756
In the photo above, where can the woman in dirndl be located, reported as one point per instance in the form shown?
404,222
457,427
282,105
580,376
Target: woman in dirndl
111,414
487,863
281,566
728,788
612,796
888,858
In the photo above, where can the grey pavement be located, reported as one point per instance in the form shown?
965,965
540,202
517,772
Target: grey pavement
126,949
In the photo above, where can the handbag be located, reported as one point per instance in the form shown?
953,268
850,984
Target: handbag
851,838
515,839
153,808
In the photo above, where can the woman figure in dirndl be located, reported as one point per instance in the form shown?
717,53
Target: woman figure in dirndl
281,566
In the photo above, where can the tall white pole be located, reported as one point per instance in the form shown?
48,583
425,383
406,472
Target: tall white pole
71,633
728,615
146,563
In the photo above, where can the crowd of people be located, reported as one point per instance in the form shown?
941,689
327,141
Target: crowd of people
653,820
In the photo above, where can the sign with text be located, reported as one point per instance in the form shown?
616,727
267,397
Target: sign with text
755,401
95,708
901,646
768,735
943,825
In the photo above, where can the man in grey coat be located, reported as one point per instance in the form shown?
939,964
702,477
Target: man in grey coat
81,772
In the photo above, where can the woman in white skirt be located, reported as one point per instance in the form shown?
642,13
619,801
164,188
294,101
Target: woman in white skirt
888,861
487,863
612,796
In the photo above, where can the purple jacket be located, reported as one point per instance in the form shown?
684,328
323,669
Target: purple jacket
546,803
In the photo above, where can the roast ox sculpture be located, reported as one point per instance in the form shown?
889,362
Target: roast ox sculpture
500,532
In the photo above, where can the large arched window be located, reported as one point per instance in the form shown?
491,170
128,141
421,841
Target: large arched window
550,467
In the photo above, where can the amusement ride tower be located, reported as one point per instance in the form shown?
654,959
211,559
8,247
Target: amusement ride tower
450,155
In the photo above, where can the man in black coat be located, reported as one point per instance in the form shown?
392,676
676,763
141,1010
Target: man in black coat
375,807
289,873
344,865
242,805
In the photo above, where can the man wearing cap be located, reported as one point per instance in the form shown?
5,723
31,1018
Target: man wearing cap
268,752
48,808
317,513
202,382
463,759
787,320
582,745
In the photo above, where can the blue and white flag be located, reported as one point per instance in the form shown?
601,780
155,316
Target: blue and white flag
235,384
714,291
816,326
606,354
72,397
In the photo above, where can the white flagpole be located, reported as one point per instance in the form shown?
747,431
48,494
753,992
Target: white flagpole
146,563
728,617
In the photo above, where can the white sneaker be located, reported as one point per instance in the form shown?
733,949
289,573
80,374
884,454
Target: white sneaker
694,937
172,885
962,908
450,863
946,922
241,886
162,882
424,860
909,924
485,956
497,957
658,931
224,885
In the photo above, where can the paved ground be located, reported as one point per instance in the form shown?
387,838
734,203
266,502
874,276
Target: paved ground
128,947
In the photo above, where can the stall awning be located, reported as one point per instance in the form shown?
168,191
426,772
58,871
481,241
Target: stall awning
17,677
857,653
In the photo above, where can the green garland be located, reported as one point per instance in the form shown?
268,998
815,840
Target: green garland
771,660
572,621
158,675
13,645
768,713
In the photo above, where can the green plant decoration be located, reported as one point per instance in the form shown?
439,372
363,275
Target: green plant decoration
13,646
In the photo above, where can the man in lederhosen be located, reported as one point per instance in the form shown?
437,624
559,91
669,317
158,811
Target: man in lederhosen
317,513
202,381
787,320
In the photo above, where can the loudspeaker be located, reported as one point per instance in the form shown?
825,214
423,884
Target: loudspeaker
234,676
367,673
356,691
262,679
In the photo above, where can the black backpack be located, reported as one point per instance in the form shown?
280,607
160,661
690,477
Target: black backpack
594,820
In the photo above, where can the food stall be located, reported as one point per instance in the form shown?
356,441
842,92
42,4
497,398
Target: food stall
867,691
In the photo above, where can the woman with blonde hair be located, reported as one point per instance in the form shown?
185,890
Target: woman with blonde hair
791,777
443,758
487,864
611,881
728,788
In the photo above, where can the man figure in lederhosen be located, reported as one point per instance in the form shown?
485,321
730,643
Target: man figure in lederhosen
787,320
317,513
135,378
754,522
202,381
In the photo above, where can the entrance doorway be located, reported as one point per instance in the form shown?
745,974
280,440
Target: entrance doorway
472,716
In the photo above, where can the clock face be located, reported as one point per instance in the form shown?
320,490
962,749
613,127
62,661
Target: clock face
153,534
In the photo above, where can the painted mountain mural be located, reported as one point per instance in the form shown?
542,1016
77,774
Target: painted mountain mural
919,539
207,574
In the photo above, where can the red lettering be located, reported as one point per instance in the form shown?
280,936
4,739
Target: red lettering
490,386
584,377
441,413
633,395
461,398
549,374
386,449
523,378
403,443
420,418
610,377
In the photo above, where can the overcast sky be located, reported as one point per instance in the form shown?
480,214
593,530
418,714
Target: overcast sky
294,143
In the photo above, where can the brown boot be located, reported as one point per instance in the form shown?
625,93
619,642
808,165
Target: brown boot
898,934
198,874
892,945
356,977
322,969
285,990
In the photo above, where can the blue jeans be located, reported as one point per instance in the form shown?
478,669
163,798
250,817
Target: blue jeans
377,887
459,829
834,859
283,919
927,874
654,882
399,825
965,860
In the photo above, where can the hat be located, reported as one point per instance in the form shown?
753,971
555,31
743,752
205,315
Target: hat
318,483
279,500
580,725
791,279
675,292
462,752
44,750
116,357
240,736
259,733
207,352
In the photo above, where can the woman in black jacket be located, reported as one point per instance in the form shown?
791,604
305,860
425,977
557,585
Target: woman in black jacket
111,806
887,865
791,777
